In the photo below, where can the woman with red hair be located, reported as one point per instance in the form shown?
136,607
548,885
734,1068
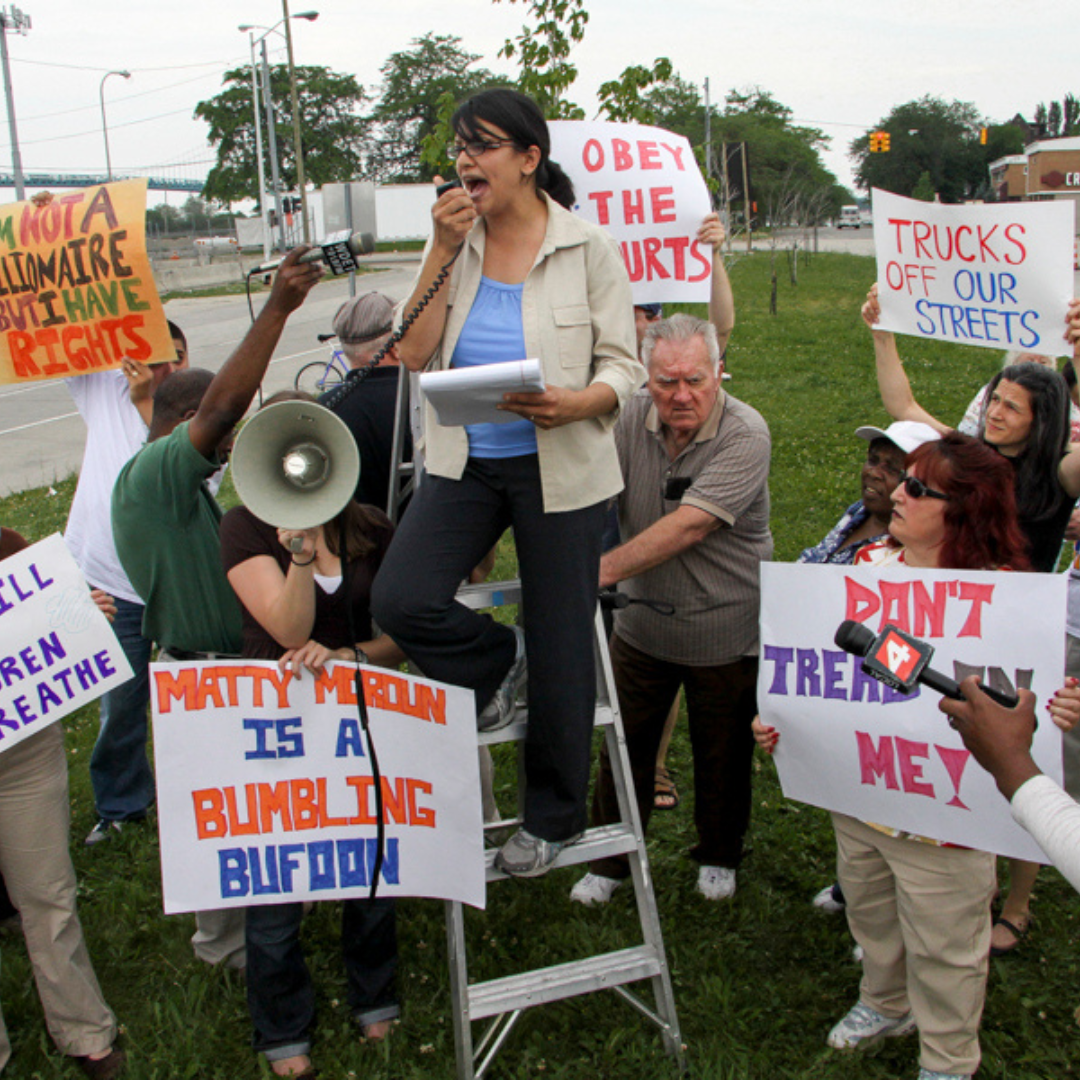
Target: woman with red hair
920,909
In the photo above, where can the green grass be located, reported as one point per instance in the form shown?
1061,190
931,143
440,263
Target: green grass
758,981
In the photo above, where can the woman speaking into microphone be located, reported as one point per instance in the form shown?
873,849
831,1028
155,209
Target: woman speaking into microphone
528,279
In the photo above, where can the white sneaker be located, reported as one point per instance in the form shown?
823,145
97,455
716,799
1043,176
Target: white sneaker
863,1026
716,882
594,889
827,900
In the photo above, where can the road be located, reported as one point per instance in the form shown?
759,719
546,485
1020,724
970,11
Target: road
42,436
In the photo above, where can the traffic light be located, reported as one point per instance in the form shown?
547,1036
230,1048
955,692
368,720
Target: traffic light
983,135
879,141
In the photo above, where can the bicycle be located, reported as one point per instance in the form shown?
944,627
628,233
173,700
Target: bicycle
318,376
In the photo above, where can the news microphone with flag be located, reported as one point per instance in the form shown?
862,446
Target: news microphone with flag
900,661
338,251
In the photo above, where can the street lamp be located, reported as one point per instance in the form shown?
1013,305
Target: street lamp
258,143
18,21
104,124
310,16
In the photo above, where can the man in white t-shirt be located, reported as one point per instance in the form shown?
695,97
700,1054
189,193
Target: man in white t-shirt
113,404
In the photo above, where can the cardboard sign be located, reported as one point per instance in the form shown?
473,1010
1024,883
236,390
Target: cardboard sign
644,186
998,276
57,651
76,290
265,790
852,744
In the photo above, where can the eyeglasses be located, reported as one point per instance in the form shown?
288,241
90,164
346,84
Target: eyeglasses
475,148
918,490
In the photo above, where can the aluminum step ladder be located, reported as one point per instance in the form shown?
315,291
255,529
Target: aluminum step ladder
503,1001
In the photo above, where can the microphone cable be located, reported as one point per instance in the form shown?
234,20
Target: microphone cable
361,709
352,382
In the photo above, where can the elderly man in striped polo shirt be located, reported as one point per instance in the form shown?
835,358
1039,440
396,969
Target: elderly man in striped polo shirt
695,512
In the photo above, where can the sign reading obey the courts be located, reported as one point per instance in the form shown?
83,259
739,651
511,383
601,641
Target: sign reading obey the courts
851,744
644,186
266,790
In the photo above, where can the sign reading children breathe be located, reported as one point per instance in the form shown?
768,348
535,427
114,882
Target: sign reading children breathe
998,276
851,744
266,794
644,186
76,290
57,652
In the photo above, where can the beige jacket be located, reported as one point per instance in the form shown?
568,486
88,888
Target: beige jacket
578,318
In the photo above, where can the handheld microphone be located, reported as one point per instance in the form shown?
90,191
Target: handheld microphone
338,251
900,661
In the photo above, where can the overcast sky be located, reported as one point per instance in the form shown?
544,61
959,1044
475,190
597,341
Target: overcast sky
838,65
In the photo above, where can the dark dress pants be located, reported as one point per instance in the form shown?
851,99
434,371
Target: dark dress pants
721,702
450,526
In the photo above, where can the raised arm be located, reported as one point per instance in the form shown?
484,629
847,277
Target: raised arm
721,298
1069,471
893,383
233,388
140,381
452,217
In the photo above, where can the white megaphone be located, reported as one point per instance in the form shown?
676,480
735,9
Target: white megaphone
295,465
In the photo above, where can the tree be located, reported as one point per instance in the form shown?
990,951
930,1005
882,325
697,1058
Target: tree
924,189
622,98
542,54
931,136
784,159
414,84
332,128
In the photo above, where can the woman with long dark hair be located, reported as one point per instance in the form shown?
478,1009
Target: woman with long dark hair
528,279
296,610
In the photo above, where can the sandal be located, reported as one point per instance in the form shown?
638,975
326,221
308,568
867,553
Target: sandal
1018,933
665,794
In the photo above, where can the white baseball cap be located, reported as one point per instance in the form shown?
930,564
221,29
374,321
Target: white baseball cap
907,434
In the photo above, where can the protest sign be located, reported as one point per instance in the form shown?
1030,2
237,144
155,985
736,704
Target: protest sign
999,276
76,289
851,744
644,186
265,790
57,651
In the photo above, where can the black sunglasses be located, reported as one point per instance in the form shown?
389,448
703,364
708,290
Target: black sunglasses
918,490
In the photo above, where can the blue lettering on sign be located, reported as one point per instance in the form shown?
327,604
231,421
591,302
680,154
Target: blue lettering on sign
331,864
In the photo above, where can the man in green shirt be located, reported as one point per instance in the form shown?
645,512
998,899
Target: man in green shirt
165,521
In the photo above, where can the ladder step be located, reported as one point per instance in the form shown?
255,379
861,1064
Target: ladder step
516,730
562,981
490,594
598,843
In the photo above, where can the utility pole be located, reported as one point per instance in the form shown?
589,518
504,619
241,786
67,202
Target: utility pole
19,21
708,134
746,201
297,145
259,147
275,179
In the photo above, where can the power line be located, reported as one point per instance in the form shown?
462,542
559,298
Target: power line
84,67
97,130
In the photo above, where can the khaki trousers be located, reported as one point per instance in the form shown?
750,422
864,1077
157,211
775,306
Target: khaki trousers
36,865
922,915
